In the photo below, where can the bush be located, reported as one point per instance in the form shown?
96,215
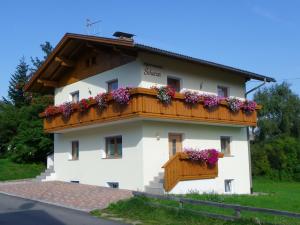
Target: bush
277,158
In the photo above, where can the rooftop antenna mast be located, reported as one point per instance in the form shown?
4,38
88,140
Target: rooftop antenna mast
92,27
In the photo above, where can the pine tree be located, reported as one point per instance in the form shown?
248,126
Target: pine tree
18,80
36,62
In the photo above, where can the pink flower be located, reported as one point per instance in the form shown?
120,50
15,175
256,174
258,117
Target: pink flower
121,95
249,106
208,156
211,101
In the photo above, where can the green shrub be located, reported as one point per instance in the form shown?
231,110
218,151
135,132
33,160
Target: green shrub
277,158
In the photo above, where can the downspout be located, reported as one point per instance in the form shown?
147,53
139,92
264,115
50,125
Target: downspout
248,137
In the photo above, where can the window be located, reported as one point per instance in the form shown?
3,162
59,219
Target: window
228,185
75,97
225,145
222,91
113,184
113,147
91,61
174,83
75,150
112,85
75,181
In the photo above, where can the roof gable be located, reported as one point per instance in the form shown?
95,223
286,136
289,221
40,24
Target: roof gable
67,54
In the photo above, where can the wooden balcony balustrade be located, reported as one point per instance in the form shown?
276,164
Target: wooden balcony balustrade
180,168
144,104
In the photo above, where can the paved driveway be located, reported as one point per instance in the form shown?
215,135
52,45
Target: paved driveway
76,196
17,211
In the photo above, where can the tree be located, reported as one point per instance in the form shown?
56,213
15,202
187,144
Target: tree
18,80
36,62
276,150
21,130
280,114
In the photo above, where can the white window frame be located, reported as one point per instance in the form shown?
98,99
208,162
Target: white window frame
72,94
231,186
223,86
176,78
110,81
71,152
230,145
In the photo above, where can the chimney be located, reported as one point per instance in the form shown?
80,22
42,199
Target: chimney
123,36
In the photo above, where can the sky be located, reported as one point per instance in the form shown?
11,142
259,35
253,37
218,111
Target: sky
259,36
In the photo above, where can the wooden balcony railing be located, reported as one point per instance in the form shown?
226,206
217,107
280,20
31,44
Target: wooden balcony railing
180,168
144,104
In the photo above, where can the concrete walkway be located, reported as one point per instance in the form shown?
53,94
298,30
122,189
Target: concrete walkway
75,196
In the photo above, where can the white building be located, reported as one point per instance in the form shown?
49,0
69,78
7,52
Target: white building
127,146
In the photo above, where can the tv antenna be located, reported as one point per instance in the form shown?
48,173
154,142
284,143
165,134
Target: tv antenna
92,27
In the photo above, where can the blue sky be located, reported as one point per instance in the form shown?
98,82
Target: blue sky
260,36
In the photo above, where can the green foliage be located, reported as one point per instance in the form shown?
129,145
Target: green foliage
21,130
18,80
13,171
276,149
280,113
36,62
274,195
30,144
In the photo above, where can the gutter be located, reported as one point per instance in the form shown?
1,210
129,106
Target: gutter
248,137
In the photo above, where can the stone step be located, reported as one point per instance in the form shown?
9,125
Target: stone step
155,191
155,184
158,180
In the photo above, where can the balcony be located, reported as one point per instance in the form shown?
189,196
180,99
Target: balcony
180,168
144,104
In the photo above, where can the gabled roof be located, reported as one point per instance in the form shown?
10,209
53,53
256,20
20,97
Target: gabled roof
71,43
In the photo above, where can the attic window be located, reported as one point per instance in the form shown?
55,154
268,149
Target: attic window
91,61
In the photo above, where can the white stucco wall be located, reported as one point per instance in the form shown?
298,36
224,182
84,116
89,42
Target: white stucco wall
236,167
194,77
128,75
92,168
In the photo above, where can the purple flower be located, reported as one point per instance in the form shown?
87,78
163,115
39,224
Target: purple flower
191,97
66,109
121,95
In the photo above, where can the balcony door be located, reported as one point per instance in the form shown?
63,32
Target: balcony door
175,143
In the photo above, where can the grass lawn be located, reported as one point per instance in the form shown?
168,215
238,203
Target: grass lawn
275,195
13,171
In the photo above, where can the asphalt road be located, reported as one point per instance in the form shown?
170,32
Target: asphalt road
18,211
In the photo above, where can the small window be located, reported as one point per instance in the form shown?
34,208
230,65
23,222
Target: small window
113,184
228,185
222,91
75,150
75,97
112,85
75,181
174,83
114,147
91,61
225,145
